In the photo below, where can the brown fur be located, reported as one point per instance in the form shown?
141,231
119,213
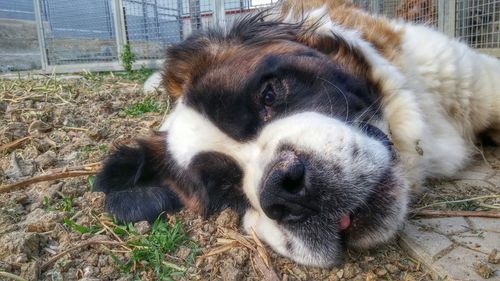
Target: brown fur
375,30
187,64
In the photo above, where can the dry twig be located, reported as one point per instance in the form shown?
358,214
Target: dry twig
267,272
85,244
11,276
14,144
447,213
52,175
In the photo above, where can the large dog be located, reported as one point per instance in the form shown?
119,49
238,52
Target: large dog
315,121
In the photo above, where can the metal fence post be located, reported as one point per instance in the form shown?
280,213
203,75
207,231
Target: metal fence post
219,14
447,16
195,14
119,22
41,35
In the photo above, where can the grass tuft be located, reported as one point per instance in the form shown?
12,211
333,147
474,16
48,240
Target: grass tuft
139,108
148,251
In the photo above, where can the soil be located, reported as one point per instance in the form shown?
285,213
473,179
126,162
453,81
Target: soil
75,122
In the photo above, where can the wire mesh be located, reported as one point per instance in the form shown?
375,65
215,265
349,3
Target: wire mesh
150,25
78,31
19,48
478,22
418,11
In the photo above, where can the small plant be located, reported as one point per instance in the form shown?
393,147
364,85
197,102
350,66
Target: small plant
81,228
90,182
127,57
64,205
148,251
139,108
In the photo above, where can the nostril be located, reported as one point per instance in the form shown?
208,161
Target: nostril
276,212
293,180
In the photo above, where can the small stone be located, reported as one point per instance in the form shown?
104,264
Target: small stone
358,278
183,252
370,276
90,271
301,274
45,144
15,130
102,261
46,159
483,269
239,256
209,228
381,272
20,243
392,268
41,221
493,257
229,272
350,270
142,227
40,126
340,273
19,168
22,198
228,218
98,134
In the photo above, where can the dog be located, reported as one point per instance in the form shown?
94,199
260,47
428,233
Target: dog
316,121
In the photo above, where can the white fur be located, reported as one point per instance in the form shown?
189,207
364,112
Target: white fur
190,133
153,83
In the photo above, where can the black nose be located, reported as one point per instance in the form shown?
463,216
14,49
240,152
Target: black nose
284,195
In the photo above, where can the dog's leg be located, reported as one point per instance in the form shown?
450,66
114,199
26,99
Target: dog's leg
135,182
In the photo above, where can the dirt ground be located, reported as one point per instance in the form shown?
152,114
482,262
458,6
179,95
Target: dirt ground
56,230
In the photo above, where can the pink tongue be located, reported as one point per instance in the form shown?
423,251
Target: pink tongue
344,222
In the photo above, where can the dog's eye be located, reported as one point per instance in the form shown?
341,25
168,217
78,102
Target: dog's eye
268,96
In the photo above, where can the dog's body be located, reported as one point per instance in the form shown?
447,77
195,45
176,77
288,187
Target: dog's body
315,123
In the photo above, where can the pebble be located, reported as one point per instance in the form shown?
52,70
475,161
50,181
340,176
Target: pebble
20,242
392,268
142,227
381,272
229,272
183,252
41,221
19,168
228,218
15,130
39,126
340,273
47,159
239,256
350,270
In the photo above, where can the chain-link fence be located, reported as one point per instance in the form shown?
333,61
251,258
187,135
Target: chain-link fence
62,35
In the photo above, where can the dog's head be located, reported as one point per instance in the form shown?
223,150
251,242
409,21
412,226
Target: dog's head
285,127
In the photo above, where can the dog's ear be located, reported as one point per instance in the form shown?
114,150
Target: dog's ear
135,181
184,62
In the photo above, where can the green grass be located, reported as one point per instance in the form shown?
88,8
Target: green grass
463,206
139,108
93,228
65,204
137,75
148,251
